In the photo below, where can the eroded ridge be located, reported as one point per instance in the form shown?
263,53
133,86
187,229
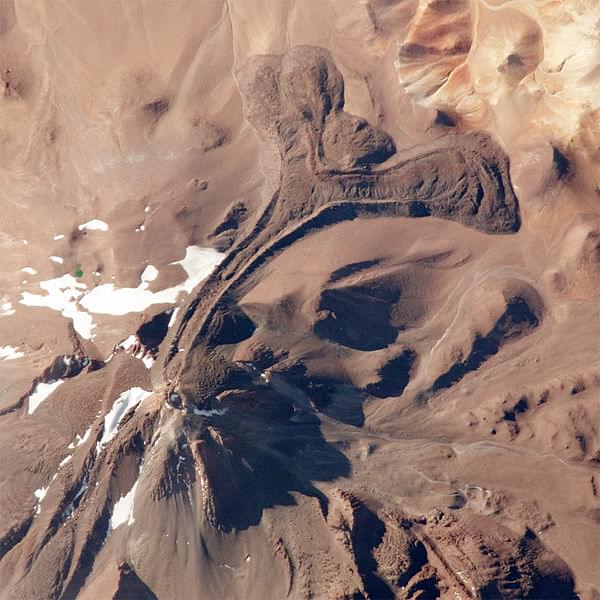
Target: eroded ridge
328,175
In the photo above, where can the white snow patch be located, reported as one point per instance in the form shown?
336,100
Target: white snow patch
129,343
148,361
81,439
29,270
68,512
82,322
60,236
198,263
173,316
62,295
9,353
210,413
67,295
65,460
150,273
40,393
94,225
57,259
40,494
127,400
85,437
180,461
7,309
123,509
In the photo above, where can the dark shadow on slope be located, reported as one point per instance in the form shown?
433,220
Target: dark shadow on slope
357,317
131,587
393,376
517,320
366,535
341,402
352,269
152,333
255,456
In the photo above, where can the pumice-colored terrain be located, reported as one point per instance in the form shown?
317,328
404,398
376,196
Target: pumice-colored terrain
300,299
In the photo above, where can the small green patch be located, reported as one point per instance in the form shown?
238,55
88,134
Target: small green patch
78,271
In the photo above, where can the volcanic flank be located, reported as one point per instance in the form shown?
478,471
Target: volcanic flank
284,315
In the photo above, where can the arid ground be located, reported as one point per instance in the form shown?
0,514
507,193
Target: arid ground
300,299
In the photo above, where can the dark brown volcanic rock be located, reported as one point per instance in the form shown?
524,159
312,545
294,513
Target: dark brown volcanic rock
349,142
311,83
